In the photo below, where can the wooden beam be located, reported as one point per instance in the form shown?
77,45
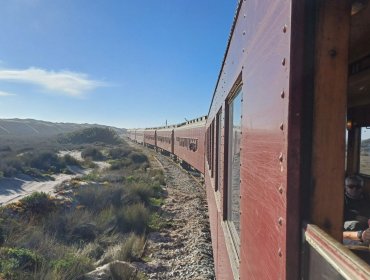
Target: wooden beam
330,99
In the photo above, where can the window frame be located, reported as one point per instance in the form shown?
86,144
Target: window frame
235,236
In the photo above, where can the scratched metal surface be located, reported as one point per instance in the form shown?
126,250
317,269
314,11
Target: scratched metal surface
167,134
149,136
259,50
139,136
194,158
263,166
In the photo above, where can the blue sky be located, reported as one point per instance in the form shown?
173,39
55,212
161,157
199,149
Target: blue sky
115,62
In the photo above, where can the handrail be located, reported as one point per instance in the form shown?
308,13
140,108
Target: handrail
336,254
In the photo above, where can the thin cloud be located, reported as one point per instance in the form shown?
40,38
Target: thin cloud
65,82
4,93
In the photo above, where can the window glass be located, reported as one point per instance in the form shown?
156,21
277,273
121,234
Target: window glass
219,158
365,151
233,214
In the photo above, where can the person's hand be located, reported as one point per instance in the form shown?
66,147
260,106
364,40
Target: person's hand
366,235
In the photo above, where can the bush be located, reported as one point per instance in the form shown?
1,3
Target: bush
12,259
37,203
99,197
71,267
47,161
138,157
134,218
93,153
91,135
131,249
119,153
141,192
70,160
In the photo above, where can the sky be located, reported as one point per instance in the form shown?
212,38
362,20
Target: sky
123,63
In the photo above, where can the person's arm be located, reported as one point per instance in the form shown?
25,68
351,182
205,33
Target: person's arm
362,235
351,235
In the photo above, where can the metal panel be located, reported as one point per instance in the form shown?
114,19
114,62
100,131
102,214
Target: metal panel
264,143
164,139
150,137
139,136
259,51
184,136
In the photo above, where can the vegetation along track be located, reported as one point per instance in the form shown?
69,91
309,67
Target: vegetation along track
182,248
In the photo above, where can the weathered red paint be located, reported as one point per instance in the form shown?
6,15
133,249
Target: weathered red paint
259,52
139,136
150,137
165,139
189,131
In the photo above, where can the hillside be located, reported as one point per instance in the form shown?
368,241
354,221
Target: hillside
30,127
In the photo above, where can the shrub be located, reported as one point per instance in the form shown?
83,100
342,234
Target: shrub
118,153
71,267
142,191
99,197
70,160
131,249
18,259
93,153
138,157
134,218
37,203
47,161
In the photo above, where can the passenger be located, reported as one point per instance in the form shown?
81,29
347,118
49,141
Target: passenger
356,210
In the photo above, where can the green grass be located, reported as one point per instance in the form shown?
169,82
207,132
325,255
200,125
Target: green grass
107,219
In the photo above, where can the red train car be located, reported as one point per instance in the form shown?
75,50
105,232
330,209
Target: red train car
165,140
189,142
139,136
130,134
293,73
150,138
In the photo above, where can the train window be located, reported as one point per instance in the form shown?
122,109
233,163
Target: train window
365,151
212,148
233,189
218,150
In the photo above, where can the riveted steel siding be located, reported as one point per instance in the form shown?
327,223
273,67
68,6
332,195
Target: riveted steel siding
164,144
194,158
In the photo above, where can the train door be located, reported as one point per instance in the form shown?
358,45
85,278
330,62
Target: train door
340,101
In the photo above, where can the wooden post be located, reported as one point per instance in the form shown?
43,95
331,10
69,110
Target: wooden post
330,108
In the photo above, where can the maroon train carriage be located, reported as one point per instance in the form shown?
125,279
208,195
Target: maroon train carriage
130,134
189,142
293,73
139,134
165,140
150,137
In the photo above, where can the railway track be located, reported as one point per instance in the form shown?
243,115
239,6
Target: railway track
182,249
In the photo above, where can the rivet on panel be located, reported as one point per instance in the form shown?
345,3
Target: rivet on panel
280,253
285,28
243,50
283,62
281,189
281,126
282,94
243,32
281,157
245,15
280,221
333,52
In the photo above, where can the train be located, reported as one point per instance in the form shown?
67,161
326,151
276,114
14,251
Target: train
288,120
